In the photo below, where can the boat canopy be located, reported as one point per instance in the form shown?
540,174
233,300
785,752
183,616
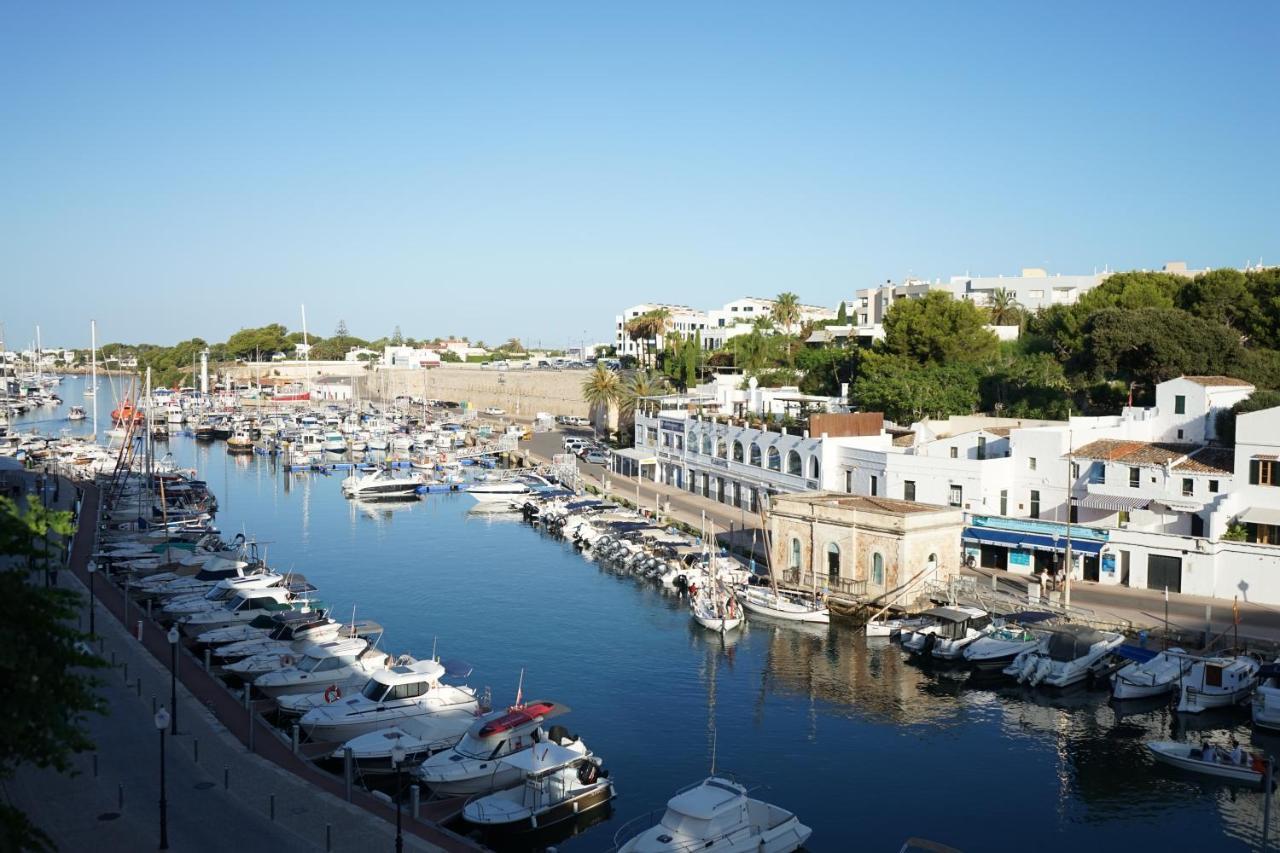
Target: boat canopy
543,758
951,614
582,504
1269,670
1069,642
1137,653
1030,617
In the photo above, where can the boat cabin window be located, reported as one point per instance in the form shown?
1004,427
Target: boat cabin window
326,664
374,690
1212,675
408,691
678,824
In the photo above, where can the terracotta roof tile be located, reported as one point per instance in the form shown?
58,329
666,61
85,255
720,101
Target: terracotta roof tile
1134,452
1211,460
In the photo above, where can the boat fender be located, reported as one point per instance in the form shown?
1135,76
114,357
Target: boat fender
332,693
286,660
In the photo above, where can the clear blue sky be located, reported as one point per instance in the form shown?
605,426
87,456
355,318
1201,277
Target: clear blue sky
180,168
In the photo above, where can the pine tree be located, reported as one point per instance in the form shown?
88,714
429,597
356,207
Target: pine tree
341,331
397,339
842,316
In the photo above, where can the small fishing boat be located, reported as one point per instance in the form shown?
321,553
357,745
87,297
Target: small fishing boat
1217,683
1156,675
947,632
76,413
780,605
1066,656
1266,700
1216,762
889,627
559,785
997,649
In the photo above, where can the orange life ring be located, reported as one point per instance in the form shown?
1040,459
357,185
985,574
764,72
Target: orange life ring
332,693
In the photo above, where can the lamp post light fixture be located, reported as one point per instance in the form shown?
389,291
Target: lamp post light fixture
397,760
173,677
93,573
162,723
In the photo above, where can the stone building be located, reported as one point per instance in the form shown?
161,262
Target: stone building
864,547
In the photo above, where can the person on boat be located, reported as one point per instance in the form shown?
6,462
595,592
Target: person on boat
1238,756
1208,752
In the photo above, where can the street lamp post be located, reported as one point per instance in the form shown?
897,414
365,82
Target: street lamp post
173,677
93,573
162,723
397,759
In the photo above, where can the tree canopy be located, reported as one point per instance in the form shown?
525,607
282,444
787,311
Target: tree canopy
938,328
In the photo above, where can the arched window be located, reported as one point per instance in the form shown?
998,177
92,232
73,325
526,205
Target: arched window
775,459
737,451
706,443
755,455
814,468
833,562
877,569
794,465
932,565
795,554
722,449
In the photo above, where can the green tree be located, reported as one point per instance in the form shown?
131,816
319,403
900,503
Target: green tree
842,315
341,330
907,391
638,387
602,390
1150,345
1004,308
786,311
826,368
48,692
397,339
938,329
260,343
1133,290
1223,296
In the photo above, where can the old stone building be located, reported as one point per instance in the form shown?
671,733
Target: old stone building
865,547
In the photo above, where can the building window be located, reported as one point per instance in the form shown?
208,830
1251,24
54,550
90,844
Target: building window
794,466
1031,463
706,443
1098,473
795,554
722,448
956,496
955,452
775,459
1004,501
1213,487
1188,486
1075,471
875,485
1179,404
1122,517
1197,525
1135,477
848,481
1263,534
833,562
982,447
814,468
737,451
877,569
1035,504
755,455
909,490
1262,472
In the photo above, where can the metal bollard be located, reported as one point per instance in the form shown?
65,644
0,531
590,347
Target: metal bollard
415,800
148,608
346,769
273,807
294,738
139,630
208,665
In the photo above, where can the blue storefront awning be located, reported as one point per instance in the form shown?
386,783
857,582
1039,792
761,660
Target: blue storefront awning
1017,539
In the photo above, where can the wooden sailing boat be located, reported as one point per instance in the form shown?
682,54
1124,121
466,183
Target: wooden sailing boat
776,603
715,608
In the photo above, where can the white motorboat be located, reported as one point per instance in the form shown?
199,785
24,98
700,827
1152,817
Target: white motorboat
335,442
474,766
303,686
1217,761
501,492
1155,676
76,413
244,607
947,631
781,605
1266,699
716,610
215,596
1008,637
420,737
890,627
717,814
288,639
1217,683
258,628
1067,655
559,785
390,698
382,483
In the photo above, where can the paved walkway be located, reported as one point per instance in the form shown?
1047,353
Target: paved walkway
220,794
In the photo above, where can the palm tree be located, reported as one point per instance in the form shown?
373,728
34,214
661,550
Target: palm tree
1004,308
786,310
641,385
637,329
602,389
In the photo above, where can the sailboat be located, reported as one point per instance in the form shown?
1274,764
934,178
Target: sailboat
793,607
715,607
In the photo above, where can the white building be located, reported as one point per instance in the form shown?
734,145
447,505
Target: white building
715,326
409,357
361,354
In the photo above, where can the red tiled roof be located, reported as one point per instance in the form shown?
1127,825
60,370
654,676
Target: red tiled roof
1134,452
1211,460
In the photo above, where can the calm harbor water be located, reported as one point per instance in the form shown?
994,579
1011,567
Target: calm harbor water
867,747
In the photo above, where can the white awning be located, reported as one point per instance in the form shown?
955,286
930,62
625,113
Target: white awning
1260,515
636,455
1112,503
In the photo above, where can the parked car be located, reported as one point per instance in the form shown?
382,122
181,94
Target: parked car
494,410
596,457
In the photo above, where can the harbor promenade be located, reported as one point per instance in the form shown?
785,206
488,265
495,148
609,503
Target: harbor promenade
221,793
1143,609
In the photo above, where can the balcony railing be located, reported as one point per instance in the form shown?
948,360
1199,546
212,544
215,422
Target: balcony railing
824,582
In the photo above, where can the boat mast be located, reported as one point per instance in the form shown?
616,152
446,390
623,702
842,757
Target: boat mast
93,381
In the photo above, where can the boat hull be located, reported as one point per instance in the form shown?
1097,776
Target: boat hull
580,804
1181,756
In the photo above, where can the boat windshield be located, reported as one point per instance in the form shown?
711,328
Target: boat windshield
472,747
678,823
374,690
219,593
324,664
